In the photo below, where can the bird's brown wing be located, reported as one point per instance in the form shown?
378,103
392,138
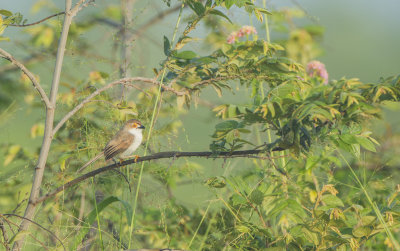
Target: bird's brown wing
118,144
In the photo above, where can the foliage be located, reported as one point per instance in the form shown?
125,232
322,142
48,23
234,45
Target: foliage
298,195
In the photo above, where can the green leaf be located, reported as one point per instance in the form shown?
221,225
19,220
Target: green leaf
186,55
227,125
332,201
349,139
257,197
216,182
367,220
197,7
262,10
183,41
258,15
128,209
361,231
242,229
238,200
232,111
5,13
11,154
310,235
89,220
219,13
167,46
229,3
366,143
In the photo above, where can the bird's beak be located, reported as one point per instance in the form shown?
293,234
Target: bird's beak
141,127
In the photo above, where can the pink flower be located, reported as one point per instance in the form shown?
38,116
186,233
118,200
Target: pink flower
231,38
245,30
317,69
248,30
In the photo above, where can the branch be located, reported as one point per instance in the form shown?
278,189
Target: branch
38,22
160,155
37,224
34,81
50,111
5,236
124,81
154,20
207,81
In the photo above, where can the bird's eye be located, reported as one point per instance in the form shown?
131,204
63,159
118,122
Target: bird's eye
134,125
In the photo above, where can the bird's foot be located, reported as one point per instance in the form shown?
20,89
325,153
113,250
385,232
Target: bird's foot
136,158
118,162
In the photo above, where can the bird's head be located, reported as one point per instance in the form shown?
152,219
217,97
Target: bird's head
134,124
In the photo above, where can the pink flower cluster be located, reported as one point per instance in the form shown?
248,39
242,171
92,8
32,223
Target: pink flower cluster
317,69
245,30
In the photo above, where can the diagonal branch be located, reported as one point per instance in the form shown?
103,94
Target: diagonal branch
124,81
34,81
160,155
38,22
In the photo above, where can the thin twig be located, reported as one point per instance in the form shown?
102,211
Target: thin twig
37,224
5,236
104,88
126,179
153,21
34,81
38,22
160,155
207,81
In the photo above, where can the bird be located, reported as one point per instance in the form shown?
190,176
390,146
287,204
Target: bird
123,144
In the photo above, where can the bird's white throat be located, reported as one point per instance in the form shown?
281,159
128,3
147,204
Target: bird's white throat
136,142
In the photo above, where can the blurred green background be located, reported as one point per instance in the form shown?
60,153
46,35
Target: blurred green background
361,40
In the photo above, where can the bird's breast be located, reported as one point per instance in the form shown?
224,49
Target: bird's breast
137,140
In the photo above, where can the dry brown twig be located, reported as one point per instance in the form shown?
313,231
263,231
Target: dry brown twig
29,74
123,81
3,216
5,236
38,22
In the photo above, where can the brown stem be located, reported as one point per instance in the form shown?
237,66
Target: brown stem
153,21
160,155
38,22
34,81
5,236
48,130
123,81
126,47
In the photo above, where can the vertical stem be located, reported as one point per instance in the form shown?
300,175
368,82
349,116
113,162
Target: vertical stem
266,22
198,227
48,130
126,48
149,134
97,215
262,87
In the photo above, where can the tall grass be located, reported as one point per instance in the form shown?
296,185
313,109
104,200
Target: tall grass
373,204
156,103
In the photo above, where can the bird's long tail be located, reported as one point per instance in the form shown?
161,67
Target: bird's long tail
98,156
